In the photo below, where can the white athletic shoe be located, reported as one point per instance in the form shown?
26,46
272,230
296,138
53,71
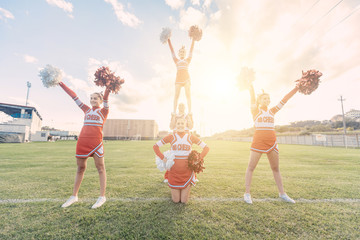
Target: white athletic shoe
70,201
166,181
286,198
100,201
196,180
247,198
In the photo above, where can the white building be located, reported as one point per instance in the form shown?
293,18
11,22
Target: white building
354,114
18,122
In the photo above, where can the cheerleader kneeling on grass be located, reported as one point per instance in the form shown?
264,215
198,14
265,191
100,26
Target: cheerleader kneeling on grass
180,176
264,140
188,127
90,142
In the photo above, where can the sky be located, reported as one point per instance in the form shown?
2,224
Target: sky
278,39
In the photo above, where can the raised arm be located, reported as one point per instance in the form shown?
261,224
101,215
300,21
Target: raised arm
105,109
254,107
284,100
191,50
172,51
252,95
73,95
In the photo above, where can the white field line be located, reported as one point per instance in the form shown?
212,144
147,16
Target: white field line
213,199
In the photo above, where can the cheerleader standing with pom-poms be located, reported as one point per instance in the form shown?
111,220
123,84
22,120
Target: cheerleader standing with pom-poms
264,140
90,142
180,175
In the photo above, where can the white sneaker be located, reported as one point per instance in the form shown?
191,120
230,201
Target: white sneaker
286,198
70,201
100,201
196,180
247,198
166,181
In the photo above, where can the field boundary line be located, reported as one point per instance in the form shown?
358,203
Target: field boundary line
157,199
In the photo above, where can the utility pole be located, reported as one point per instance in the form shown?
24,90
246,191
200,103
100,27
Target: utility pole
343,117
27,96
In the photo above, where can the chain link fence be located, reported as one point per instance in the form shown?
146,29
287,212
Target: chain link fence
327,140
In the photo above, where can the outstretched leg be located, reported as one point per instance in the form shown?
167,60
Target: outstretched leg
81,163
254,159
274,164
100,165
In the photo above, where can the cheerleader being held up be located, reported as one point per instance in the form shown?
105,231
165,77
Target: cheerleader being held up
90,142
264,140
180,177
182,75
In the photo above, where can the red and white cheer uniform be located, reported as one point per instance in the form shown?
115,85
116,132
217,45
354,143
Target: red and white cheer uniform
90,140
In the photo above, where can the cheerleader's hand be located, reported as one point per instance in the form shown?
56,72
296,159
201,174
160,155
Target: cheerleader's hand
164,160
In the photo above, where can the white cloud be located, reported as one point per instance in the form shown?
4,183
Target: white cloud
195,2
79,84
130,94
191,17
175,4
4,14
207,3
66,6
30,59
125,17
172,19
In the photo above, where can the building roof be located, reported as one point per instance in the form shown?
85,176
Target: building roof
14,108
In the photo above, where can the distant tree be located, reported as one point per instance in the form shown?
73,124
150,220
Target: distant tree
47,128
321,128
307,123
353,124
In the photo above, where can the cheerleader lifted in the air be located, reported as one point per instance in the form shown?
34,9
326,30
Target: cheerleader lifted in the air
181,177
182,64
264,139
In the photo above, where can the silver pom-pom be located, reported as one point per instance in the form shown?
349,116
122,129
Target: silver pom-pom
160,164
245,78
50,76
170,156
165,35
195,33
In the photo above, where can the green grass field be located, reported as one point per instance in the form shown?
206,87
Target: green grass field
139,205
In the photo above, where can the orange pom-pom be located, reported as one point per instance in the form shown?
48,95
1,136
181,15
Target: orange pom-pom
195,163
195,32
105,78
309,81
